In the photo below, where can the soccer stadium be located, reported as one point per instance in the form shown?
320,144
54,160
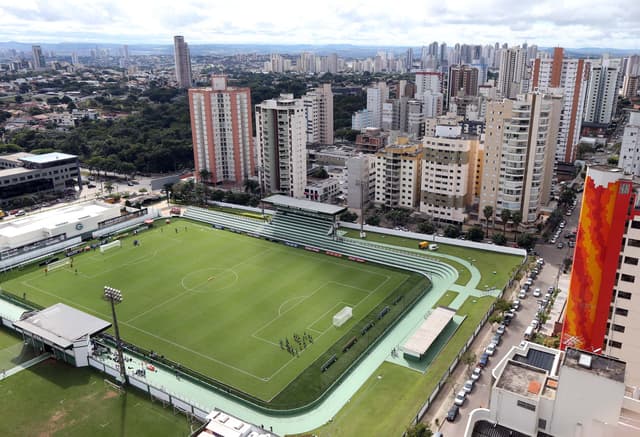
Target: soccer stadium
274,313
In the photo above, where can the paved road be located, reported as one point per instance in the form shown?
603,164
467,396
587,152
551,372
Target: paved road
479,398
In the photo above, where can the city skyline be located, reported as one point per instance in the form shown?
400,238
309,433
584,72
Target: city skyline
570,24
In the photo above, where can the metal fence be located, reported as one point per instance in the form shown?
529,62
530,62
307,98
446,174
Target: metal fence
188,408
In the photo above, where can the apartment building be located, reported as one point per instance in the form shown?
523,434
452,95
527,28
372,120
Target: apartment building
539,391
398,172
221,128
281,137
568,76
449,168
630,149
519,150
318,105
602,91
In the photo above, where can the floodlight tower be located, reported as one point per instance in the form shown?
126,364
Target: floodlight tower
115,297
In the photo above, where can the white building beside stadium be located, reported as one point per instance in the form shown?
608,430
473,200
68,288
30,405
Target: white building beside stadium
38,235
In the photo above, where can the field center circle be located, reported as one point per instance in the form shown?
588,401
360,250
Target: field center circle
209,279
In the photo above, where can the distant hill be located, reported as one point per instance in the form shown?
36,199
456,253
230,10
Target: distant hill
344,50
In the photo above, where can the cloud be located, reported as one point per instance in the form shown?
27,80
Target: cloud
569,23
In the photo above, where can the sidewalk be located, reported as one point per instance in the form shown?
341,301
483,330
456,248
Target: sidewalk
442,403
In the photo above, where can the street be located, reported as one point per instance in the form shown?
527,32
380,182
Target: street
479,397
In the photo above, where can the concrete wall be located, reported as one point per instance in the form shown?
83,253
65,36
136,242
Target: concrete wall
436,239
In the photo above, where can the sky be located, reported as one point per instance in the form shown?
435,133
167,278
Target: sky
547,23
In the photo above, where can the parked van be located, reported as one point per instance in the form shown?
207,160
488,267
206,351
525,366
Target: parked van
528,333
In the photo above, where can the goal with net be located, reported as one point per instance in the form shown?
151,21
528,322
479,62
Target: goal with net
107,246
342,316
58,264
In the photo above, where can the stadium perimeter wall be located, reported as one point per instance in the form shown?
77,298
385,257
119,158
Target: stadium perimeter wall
436,239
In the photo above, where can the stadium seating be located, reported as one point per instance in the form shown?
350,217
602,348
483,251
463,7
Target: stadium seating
314,231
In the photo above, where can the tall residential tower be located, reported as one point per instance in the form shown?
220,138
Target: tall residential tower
569,76
183,62
281,136
221,129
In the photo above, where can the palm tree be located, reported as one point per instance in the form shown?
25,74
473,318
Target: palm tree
108,186
505,215
251,186
204,175
516,218
168,189
488,212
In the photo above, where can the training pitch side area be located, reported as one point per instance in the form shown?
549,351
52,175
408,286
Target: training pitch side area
218,302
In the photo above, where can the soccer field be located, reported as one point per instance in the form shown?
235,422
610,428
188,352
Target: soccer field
218,302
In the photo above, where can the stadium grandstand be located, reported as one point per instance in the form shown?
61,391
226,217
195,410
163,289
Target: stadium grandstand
63,331
36,236
314,226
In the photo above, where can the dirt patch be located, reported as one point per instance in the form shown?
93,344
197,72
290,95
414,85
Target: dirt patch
110,394
54,424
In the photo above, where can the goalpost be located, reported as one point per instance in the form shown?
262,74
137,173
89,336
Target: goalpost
341,317
105,247
57,264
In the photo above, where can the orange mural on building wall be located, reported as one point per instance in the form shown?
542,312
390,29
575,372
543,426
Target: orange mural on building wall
598,241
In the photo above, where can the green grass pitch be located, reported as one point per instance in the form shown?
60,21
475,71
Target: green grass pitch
50,399
218,302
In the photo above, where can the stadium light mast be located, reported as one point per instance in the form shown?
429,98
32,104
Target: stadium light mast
115,297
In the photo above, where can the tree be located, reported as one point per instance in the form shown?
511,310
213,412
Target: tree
419,430
349,217
108,186
398,217
499,239
505,216
452,231
527,241
567,196
374,220
426,227
488,213
204,175
516,218
475,233
251,186
469,358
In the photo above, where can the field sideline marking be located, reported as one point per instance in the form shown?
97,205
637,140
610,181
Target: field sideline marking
222,363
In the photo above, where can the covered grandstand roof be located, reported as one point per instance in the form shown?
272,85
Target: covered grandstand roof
421,340
304,205
52,219
61,325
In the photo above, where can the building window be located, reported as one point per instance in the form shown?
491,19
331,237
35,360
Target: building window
542,423
624,295
635,224
618,328
634,243
627,278
615,344
622,312
631,260
526,405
